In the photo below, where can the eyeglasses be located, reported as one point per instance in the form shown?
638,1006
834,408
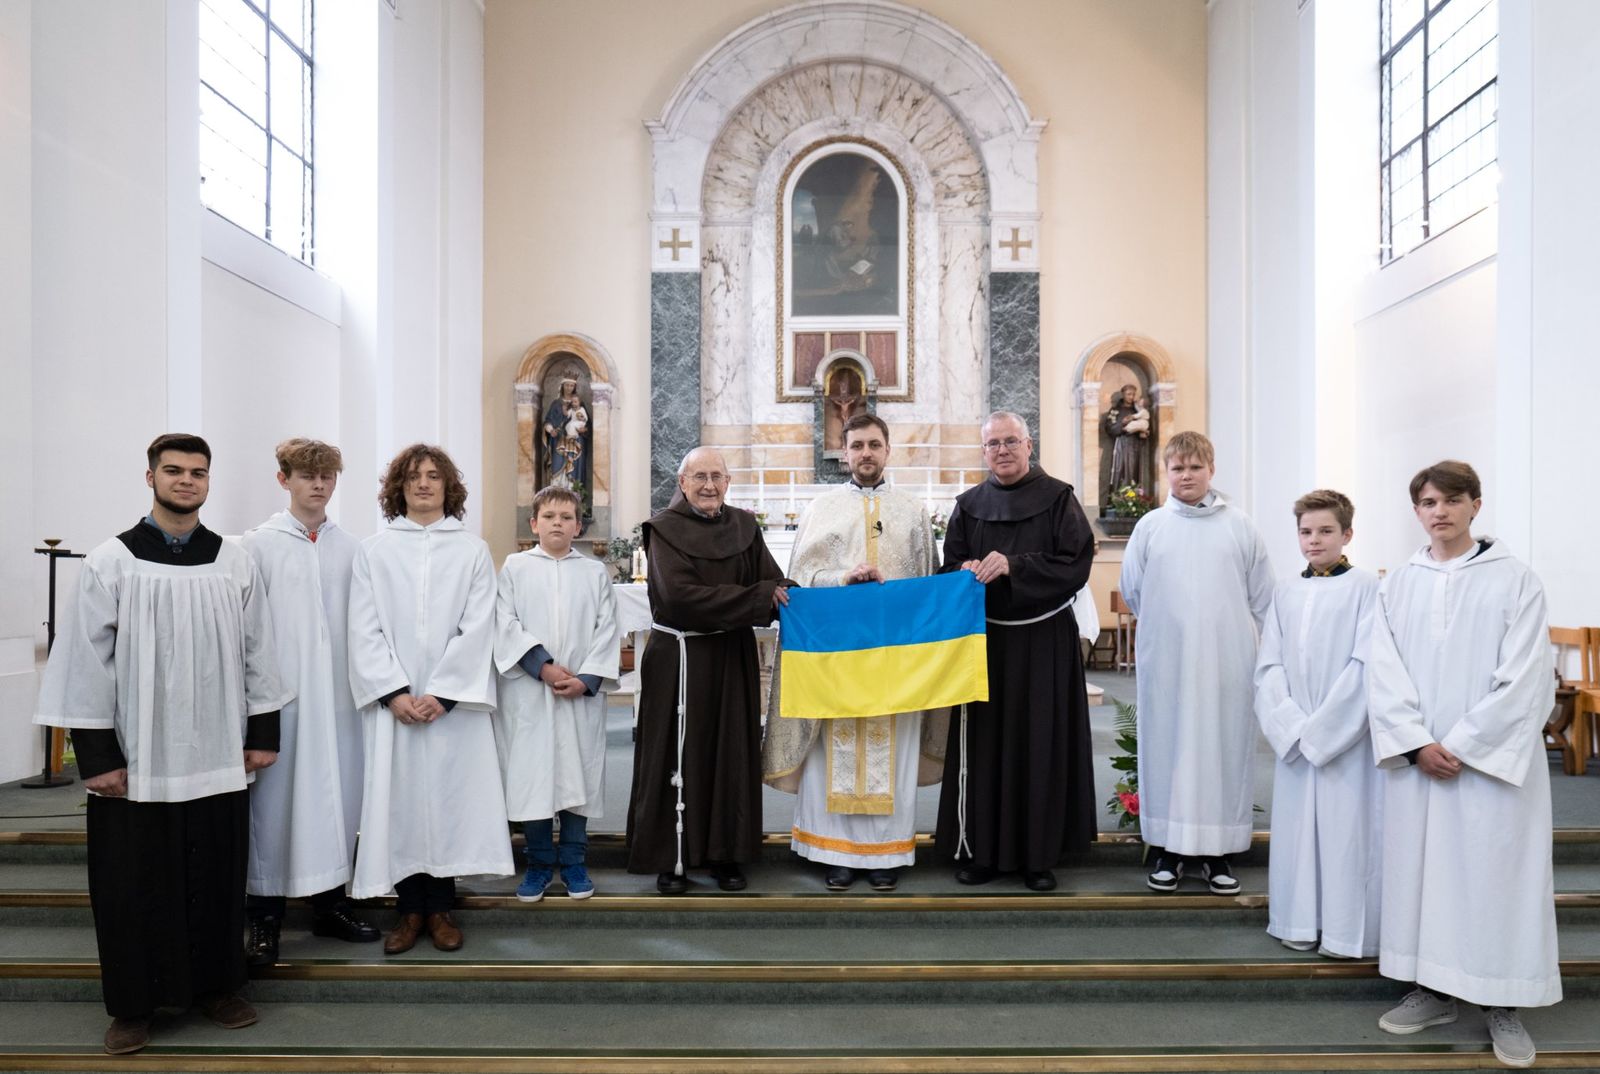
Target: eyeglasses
1010,443
706,479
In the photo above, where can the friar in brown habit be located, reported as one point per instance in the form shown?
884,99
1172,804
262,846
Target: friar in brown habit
697,758
1025,754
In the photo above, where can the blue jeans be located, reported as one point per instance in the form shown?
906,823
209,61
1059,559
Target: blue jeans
574,840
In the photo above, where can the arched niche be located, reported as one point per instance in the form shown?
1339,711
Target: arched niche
1103,367
845,385
542,363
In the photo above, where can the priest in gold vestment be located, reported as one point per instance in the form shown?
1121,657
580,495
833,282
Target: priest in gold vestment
856,779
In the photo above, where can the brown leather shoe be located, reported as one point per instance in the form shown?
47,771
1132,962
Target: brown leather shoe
404,936
446,933
126,1035
229,1012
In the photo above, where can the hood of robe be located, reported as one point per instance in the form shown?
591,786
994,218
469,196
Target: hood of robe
284,522
1177,506
538,550
1496,551
445,524
698,537
1034,494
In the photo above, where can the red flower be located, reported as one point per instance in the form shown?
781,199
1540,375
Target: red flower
1130,801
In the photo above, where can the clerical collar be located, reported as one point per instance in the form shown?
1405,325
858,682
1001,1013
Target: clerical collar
150,520
867,488
1332,571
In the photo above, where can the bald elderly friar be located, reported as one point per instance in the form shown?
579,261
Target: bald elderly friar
703,479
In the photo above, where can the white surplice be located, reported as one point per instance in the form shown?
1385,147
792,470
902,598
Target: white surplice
855,780
305,808
422,617
1198,579
553,749
175,658
1460,655
1311,700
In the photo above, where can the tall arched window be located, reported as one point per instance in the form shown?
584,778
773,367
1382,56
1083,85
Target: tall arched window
1439,64
255,118
845,266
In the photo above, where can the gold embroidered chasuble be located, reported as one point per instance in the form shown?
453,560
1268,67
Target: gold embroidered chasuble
888,529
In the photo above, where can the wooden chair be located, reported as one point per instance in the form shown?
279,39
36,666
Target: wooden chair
1570,728
1127,625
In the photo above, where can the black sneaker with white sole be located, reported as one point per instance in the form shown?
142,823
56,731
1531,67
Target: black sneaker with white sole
1166,873
1219,876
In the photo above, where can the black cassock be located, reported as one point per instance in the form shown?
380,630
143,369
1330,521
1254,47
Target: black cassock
1030,767
709,575
166,879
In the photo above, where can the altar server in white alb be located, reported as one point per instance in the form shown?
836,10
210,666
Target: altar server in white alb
1311,699
1462,681
165,673
556,650
1196,575
422,671
857,778
304,810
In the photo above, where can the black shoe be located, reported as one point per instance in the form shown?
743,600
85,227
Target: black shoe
883,879
1219,877
262,948
1043,880
341,924
1165,873
974,874
729,876
839,877
671,883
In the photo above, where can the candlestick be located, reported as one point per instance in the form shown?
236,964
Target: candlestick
761,490
638,565
791,492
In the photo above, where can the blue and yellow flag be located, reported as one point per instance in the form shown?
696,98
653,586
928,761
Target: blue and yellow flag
871,649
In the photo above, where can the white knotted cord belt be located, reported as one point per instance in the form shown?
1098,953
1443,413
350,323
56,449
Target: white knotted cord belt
961,780
683,707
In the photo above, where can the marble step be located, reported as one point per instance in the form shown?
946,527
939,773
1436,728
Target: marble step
1032,1028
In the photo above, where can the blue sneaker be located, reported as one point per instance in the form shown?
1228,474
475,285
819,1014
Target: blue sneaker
534,881
576,878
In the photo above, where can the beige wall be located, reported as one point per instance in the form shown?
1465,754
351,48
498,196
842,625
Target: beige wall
568,85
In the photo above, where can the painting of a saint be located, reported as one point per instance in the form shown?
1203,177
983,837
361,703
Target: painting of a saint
844,229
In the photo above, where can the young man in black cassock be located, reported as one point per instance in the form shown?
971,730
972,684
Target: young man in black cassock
168,680
1029,766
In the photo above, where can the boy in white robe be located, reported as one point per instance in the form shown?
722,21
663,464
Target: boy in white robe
1311,700
557,653
422,671
304,809
1196,575
1462,681
166,674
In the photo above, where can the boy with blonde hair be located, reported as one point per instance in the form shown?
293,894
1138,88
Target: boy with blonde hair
1196,574
1311,700
556,651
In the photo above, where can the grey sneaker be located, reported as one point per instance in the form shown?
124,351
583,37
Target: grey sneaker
1512,1045
1419,1010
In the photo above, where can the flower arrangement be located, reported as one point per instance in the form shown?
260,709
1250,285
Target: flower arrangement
1124,801
1129,501
940,523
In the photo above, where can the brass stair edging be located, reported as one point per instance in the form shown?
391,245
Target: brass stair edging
783,972
842,1062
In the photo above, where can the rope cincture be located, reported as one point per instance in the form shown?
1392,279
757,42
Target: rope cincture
683,709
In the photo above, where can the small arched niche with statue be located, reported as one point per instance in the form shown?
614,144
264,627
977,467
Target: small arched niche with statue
1126,396
565,395
845,384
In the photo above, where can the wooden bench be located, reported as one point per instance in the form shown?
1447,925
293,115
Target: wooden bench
1570,728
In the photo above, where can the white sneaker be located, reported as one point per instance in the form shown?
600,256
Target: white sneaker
1219,877
1325,953
1419,1010
1299,945
1167,872
1512,1045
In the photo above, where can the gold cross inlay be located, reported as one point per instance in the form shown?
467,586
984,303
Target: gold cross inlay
1016,244
675,244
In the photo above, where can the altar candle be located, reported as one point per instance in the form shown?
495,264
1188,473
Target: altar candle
638,563
791,492
761,491
927,491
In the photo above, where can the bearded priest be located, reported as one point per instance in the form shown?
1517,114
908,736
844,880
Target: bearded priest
857,779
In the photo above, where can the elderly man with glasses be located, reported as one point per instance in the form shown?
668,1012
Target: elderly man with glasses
1019,780
697,760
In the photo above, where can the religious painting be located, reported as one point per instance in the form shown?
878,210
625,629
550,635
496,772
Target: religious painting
844,236
564,436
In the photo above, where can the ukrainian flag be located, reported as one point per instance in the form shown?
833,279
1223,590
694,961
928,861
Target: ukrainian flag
873,649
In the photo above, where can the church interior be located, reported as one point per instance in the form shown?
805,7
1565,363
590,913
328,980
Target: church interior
570,240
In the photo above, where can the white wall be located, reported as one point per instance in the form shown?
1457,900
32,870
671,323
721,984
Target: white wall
127,310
